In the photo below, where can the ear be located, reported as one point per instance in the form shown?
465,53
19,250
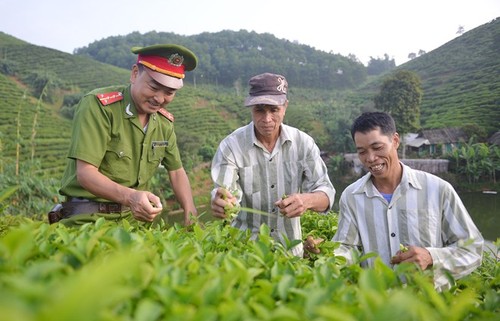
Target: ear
396,139
134,73
285,105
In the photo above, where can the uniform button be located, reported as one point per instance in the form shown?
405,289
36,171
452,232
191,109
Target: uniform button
393,234
274,210
272,230
272,186
120,154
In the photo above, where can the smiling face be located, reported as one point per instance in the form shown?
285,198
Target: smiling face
148,95
378,153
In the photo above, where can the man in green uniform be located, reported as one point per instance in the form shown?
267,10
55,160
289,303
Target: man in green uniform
121,135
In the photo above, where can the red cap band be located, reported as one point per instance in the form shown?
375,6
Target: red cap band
172,66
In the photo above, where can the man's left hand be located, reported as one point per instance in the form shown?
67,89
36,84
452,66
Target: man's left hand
415,254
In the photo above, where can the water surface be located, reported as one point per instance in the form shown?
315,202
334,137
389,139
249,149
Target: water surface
485,212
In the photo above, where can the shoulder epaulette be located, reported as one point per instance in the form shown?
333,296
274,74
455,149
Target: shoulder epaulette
167,114
109,98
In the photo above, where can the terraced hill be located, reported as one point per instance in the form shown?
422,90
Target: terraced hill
43,133
460,80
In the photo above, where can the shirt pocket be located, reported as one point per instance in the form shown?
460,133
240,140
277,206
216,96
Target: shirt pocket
421,227
293,174
118,163
157,151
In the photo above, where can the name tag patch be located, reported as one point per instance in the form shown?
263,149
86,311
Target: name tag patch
159,144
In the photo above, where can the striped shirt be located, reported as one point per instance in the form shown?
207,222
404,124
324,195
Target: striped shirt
424,211
261,177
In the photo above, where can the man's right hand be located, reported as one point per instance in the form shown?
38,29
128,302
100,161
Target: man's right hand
222,199
145,206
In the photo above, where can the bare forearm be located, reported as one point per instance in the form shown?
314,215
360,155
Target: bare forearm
182,190
317,201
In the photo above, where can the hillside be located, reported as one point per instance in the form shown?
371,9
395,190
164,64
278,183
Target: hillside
459,79
33,83
460,82
230,58
22,113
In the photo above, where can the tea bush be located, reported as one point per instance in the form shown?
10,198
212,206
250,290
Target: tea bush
211,271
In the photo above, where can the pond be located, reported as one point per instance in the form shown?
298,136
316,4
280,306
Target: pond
485,212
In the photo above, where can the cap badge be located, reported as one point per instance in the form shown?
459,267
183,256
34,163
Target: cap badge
176,59
281,87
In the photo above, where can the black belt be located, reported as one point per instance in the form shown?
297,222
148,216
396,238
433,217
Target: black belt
74,207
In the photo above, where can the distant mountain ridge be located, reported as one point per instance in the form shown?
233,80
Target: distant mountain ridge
229,57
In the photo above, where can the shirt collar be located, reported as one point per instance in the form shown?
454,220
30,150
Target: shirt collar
252,139
129,111
408,180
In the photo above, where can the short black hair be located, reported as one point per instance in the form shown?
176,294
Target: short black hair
372,120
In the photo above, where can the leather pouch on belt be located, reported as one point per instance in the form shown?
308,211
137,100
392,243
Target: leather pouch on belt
55,214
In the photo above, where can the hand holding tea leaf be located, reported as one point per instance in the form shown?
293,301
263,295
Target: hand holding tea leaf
311,244
231,208
413,254
225,204
291,205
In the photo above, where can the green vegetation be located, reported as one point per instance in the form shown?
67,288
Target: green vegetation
476,161
110,272
211,271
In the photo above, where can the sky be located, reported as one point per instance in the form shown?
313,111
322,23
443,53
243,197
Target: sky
364,28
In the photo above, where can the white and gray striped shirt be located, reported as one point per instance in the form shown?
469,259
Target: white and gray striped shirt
425,211
261,177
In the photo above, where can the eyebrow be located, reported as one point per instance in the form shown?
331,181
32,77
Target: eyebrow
371,145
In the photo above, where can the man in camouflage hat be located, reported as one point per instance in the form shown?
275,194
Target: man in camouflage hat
272,170
121,135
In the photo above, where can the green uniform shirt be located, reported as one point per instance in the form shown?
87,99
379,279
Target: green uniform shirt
111,138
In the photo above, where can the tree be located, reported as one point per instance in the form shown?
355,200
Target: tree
401,95
377,66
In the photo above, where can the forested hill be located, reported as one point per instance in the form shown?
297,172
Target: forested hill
230,57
